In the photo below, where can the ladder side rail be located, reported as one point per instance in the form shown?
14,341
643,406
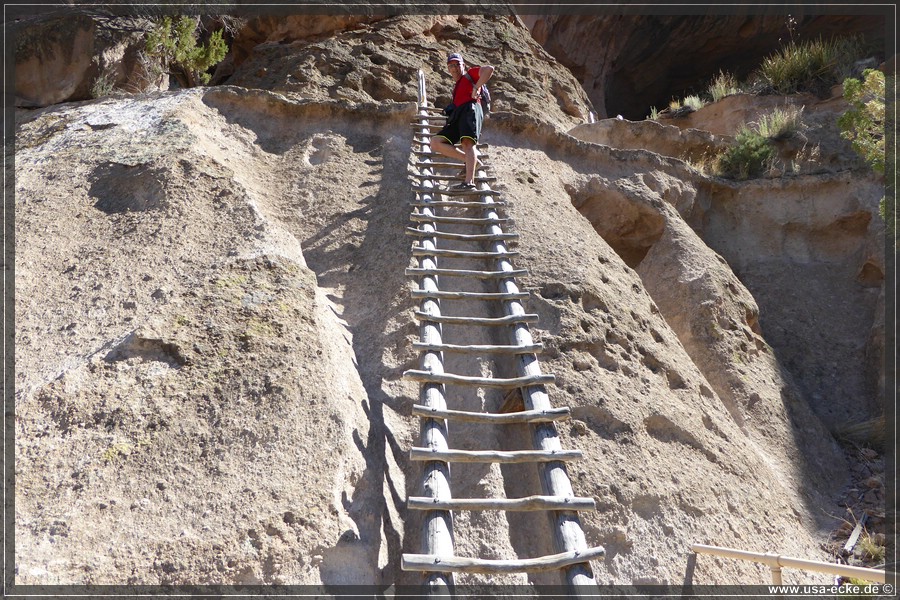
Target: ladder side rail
422,96
568,534
437,530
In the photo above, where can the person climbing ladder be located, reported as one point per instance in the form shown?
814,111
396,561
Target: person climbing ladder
464,118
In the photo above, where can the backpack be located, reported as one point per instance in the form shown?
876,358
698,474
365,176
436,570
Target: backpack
485,96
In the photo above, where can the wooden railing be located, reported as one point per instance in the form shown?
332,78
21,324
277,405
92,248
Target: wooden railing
776,562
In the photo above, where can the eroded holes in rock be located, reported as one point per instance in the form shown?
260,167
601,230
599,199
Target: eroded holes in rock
752,318
711,426
676,381
673,379
664,430
629,226
601,421
870,275
120,188
606,361
147,350
592,302
855,223
554,291
612,337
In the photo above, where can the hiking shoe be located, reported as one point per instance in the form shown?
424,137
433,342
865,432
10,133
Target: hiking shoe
463,186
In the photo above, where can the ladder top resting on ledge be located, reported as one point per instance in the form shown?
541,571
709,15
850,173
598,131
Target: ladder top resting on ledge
459,564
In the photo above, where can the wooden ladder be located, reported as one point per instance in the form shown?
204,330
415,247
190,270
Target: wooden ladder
431,234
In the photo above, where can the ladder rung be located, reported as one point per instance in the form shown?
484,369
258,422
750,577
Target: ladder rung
420,251
476,348
425,140
458,204
461,220
470,295
485,179
524,416
442,165
529,503
484,321
470,237
482,156
493,456
450,378
459,564
433,153
448,191
466,273
473,192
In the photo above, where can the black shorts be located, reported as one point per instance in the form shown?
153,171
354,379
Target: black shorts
465,122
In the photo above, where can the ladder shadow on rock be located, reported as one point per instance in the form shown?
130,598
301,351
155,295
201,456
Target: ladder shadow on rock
327,251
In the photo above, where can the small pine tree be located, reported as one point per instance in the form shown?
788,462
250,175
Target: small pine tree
863,123
174,43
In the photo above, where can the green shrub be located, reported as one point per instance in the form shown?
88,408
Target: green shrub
809,67
104,85
870,549
693,102
863,123
723,85
174,44
753,151
781,124
750,156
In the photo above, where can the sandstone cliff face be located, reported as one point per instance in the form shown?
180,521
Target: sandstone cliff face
212,322
380,60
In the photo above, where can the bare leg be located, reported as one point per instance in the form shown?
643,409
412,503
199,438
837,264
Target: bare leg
442,146
471,157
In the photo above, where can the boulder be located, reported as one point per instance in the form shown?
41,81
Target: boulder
79,56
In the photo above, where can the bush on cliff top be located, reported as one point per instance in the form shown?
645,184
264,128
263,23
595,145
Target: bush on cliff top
812,67
863,123
174,44
753,152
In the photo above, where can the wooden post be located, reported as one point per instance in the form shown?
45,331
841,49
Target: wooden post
437,531
568,535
